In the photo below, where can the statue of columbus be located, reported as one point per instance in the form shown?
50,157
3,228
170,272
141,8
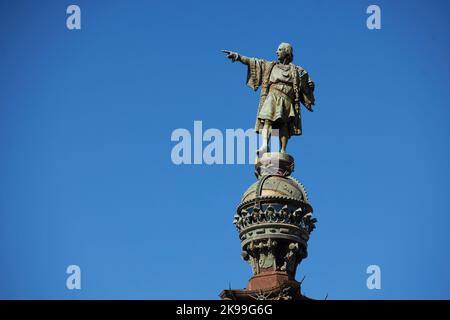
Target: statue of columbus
284,86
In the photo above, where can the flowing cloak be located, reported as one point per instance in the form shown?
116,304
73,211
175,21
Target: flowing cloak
258,75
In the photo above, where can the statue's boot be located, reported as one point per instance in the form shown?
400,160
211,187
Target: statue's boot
261,151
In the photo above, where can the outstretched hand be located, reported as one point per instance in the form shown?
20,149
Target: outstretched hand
233,56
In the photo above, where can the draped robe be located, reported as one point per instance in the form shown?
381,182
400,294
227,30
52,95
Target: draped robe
259,75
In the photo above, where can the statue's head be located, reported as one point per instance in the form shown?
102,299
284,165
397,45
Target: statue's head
284,52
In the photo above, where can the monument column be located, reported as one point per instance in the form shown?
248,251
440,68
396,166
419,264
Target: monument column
274,217
274,221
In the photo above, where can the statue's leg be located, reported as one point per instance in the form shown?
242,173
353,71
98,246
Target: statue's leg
284,137
265,134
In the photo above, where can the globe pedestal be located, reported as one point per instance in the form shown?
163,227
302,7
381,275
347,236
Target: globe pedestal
274,221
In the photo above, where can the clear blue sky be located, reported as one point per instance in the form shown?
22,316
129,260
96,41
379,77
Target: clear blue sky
86,117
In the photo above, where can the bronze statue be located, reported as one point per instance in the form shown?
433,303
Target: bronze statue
283,87
274,217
